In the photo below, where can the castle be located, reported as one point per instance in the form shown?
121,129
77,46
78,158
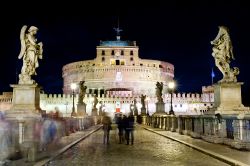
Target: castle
117,76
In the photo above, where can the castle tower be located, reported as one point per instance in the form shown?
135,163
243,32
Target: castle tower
118,69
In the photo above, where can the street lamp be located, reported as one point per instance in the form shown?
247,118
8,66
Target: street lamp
132,107
73,87
66,104
147,99
171,86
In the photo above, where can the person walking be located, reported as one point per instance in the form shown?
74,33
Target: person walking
120,125
106,122
129,129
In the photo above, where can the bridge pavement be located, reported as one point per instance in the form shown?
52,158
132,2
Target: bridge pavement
219,151
148,149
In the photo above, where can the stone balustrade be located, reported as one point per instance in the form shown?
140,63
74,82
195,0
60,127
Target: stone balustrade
232,130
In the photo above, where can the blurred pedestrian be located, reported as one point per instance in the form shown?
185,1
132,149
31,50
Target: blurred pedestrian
5,137
120,125
106,122
129,129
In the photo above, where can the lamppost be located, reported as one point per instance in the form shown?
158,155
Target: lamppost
132,107
73,87
66,104
171,86
147,99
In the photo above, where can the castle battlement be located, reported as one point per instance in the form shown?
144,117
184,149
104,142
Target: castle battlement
178,97
182,102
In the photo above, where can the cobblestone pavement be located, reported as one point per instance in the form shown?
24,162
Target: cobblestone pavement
148,149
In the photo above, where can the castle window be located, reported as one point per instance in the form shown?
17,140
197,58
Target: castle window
113,52
112,62
153,65
160,66
131,52
122,52
131,58
141,64
180,105
122,62
93,65
205,104
96,92
103,52
103,59
117,62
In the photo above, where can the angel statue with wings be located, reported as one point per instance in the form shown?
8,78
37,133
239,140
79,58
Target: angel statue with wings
30,52
223,53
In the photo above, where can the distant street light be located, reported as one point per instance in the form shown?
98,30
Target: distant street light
73,87
66,104
171,86
132,107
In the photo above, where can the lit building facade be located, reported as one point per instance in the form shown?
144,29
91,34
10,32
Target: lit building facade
118,69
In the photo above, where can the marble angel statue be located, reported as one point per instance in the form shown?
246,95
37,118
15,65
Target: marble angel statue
30,52
223,54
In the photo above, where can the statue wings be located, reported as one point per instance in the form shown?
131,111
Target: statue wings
22,39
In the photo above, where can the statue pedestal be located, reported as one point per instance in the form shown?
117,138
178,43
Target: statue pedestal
143,111
81,109
24,115
94,112
25,102
160,109
227,98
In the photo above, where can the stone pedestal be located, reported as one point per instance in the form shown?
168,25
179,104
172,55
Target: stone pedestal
227,95
144,120
227,98
94,112
143,111
25,102
160,109
24,114
81,109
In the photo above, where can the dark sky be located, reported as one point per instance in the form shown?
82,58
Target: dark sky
175,32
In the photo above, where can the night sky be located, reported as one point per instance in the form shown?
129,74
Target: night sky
179,33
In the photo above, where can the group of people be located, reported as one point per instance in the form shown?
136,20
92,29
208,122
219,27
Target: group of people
125,127
126,124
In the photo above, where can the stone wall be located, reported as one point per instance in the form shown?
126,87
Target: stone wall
184,104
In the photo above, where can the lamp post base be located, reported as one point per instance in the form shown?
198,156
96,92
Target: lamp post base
171,112
73,114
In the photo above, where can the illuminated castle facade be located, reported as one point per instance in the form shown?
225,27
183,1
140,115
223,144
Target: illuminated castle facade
118,69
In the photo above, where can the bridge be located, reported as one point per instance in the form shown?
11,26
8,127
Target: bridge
153,145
